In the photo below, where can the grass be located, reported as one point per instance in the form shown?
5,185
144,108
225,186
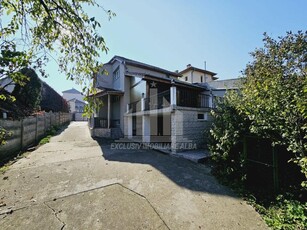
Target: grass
6,166
45,140
283,213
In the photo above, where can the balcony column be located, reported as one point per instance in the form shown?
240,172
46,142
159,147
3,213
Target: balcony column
109,110
143,102
211,101
129,127
146,129
173,96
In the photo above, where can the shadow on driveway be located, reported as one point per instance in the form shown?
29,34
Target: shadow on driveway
189,175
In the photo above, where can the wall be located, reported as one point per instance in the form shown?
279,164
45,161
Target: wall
105,77
187,128
29,131
69,96
196,77
134,69
78,117
219,93
72,106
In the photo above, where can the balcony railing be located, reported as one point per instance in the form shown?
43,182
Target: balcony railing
134,106
103,123
158,101
203,101
193,100
163,100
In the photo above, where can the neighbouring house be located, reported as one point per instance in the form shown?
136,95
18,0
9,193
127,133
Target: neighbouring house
196,75
219,87
207,78
50,100
76,103
73,94
150,104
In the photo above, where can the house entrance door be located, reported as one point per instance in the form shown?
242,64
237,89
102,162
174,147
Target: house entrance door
134,126
160,125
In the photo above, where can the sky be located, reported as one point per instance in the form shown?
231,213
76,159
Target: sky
173,33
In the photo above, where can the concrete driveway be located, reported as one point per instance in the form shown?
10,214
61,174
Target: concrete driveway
74,182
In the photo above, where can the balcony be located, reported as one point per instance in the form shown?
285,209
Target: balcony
164,100
158,101
134,107
194,101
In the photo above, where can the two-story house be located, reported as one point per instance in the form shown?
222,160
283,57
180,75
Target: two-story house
196,75
207,78
150,104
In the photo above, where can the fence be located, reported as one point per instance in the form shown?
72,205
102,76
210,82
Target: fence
268,167
29,131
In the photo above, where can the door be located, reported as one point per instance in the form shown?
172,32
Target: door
160,125
133,125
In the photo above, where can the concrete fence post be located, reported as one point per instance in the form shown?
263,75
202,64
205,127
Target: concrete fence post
21,134
44,123
36,128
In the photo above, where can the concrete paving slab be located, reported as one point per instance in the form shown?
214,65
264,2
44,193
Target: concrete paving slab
197,155
183,194
33,217
111,207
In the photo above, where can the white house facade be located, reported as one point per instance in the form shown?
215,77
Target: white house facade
151,105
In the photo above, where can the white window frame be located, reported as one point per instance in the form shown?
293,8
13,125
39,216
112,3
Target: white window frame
205,118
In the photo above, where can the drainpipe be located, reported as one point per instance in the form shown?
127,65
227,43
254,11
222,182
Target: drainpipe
173,94
211,99
109,111
143,102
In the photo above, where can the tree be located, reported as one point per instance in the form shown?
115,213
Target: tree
47,26
274,95
29,94
273,98
52,101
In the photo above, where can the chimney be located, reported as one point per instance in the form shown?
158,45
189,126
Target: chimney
176,71
189,65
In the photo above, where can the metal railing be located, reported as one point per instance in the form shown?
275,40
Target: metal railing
158,101
163,100
134,106
203,101
193,100
100,122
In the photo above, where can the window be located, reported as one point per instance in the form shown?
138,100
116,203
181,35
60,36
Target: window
201,79
202,116
115,98
116,74
186,78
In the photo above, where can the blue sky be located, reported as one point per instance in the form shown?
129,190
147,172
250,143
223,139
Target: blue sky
173,33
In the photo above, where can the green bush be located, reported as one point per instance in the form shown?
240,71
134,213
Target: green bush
225,141
271,105
286,214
